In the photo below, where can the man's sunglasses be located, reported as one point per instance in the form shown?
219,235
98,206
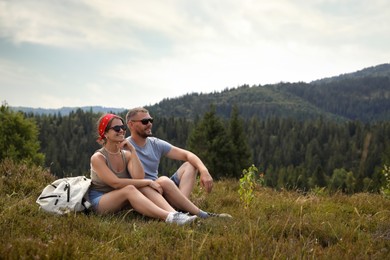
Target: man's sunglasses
144,121
117,128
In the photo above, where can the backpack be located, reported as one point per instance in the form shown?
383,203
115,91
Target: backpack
65,195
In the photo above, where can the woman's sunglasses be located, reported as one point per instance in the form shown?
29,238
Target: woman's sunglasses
117,128
144,121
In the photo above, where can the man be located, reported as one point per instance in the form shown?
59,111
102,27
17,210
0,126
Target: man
151,149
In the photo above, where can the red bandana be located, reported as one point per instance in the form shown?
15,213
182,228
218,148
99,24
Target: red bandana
103,124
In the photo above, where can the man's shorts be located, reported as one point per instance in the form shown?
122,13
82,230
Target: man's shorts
175,178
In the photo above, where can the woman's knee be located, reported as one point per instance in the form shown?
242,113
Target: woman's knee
130,190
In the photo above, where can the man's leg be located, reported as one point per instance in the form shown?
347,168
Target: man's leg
178,199
187,178
156,198
175,197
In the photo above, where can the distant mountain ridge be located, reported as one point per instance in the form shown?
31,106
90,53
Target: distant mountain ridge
362,95
382,70
66,110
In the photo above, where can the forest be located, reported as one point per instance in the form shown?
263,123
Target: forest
292,154
333,133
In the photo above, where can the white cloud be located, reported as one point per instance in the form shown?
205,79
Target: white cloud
158,49
66,24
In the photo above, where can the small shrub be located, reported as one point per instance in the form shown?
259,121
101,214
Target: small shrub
248,185
385,189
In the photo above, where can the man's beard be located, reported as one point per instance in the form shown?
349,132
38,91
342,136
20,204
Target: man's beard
144,134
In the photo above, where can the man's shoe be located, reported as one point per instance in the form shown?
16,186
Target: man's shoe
219,215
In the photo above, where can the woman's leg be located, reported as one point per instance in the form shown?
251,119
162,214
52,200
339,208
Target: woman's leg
115,200
156,198
175,197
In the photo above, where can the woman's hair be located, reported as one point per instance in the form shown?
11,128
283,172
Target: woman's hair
104,124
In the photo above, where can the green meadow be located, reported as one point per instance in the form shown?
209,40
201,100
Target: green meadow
277,224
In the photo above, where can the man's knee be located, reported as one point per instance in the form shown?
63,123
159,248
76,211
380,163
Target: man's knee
162,178
164,181
188,168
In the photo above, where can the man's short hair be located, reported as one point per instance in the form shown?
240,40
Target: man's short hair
132,112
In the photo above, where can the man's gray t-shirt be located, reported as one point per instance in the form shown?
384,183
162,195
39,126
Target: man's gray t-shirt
151,154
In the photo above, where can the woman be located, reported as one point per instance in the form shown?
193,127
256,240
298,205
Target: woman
118,178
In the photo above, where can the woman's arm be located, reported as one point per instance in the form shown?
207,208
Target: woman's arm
134,165
98,164
135,168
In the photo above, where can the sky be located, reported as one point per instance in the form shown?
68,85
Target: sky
125,53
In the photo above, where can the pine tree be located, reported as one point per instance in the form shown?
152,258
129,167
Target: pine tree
210,141
241,149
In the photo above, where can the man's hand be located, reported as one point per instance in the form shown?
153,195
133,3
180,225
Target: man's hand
206,181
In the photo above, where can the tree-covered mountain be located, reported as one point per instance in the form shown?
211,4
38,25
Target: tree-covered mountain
382,70
363,95
256,101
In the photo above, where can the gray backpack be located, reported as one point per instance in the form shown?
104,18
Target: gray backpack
65,195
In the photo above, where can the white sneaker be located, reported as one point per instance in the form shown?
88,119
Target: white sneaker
180,218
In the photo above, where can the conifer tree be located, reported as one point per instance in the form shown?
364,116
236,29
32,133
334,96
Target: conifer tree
241,149
210,141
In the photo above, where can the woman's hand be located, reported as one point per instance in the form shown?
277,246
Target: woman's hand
127,145
156,186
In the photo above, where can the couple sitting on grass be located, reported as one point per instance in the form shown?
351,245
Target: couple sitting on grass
124,172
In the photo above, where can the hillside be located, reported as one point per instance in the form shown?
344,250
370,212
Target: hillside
363,95
382,70
256,101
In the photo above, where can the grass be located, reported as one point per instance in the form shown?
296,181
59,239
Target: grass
277,225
